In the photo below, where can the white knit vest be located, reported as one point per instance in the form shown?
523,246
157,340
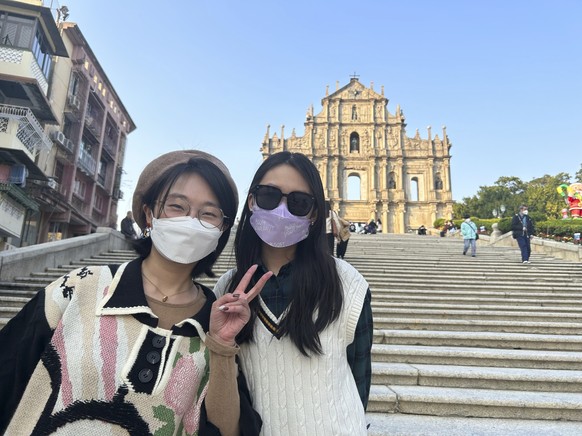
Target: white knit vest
298,395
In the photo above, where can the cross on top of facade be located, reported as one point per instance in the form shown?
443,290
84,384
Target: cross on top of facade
355,76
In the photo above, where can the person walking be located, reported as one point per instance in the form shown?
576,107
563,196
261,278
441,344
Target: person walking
523,230
343,236
331,230
306,352
139,348
469,233
127,226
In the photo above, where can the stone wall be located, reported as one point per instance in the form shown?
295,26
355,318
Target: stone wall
22,261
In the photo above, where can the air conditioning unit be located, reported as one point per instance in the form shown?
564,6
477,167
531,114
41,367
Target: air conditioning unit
69,145
59,137
52,183
74,101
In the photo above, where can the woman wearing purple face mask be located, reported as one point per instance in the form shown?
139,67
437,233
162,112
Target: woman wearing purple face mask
313,316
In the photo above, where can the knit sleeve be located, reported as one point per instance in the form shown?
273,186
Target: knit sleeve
23,340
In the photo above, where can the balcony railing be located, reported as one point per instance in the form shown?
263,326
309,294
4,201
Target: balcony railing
79,205
87,163
29,132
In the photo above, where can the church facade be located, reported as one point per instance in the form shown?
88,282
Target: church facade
369,167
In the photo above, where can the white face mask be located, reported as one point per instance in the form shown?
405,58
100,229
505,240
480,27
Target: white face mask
183,239
525,212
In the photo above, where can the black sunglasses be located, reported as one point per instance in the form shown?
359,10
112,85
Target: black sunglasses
269,197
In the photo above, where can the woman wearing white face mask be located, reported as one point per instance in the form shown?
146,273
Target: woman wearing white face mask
306,351
142,347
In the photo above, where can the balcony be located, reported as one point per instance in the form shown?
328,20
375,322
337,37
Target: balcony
92,124
73,108
79,205
19,195
86,163
28,129
109,147
22,138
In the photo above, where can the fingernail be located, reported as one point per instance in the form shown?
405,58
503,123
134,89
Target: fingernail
223,308
236,295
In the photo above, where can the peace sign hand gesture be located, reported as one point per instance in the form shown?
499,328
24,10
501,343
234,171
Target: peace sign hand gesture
231,312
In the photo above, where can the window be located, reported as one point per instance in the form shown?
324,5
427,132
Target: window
80,188
16,31
23,32
102,173
99,203
354,187
414,189
41,54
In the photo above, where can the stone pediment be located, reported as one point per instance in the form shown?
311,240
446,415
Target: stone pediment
354,91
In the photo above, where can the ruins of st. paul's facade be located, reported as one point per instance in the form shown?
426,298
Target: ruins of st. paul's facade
354,140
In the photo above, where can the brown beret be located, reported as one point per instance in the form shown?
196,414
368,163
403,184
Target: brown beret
159,166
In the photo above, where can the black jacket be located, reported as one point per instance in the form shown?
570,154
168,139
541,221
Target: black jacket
517,226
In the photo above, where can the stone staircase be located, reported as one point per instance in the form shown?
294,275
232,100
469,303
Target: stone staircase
463,346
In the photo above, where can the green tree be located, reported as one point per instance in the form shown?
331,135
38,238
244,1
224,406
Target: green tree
541,195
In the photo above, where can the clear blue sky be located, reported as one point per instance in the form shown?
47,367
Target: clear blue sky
505,77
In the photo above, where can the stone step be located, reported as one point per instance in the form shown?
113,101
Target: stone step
8,311
458,306
478,315
475,377
499,340
467,285
469,325
397,424
469,356
12,301
382,298
488,403
21,286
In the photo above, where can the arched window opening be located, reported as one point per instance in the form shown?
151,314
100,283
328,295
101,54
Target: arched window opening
354,143
414,189
354,187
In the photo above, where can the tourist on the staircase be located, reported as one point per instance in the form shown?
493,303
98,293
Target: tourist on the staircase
127,227
306,354
330,230
139,348
343,236
523,230
469,232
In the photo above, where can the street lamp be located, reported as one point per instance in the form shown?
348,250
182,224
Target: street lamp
494,212
502,210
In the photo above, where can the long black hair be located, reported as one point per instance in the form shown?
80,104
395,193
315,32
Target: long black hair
317,295
219,185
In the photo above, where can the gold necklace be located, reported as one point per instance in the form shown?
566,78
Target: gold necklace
164,296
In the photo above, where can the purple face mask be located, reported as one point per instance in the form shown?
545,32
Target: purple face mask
279,227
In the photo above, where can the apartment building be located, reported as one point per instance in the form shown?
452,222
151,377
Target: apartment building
63,130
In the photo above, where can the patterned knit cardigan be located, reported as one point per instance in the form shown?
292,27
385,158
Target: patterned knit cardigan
104,367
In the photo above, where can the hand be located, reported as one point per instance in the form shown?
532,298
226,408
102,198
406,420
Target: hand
231,312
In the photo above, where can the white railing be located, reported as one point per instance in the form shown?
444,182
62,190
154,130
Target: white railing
29,132
87,162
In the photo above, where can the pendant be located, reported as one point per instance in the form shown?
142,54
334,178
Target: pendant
164,299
